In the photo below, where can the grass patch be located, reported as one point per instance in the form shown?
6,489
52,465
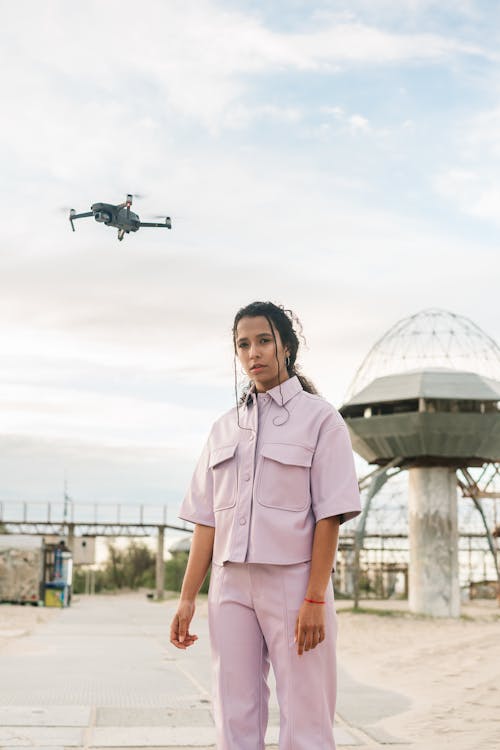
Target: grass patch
379,612
371,611
167,595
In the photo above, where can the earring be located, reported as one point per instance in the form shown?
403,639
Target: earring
287,361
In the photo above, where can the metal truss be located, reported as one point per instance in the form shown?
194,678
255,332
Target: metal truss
39,528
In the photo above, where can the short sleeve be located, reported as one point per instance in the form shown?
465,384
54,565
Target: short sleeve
197,506
334,484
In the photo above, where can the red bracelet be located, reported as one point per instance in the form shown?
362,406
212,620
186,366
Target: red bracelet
313,601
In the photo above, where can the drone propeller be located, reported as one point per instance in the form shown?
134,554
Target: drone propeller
139,196
166,218
167,222
174,216
130,197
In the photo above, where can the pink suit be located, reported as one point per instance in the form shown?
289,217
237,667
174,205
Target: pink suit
264,485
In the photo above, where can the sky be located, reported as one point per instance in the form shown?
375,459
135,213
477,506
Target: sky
342,159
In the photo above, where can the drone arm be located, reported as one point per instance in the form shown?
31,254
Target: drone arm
126,204
167,224
73,216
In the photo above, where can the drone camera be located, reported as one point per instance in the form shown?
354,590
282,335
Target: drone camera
101,216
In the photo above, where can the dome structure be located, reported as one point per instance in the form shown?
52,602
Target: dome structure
426,399
431,338
180,545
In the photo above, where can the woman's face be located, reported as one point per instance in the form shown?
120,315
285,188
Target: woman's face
257,354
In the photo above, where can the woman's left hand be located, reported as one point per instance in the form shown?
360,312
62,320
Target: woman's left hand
309,626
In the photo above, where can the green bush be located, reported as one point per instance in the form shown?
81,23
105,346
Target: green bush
174,573
365,583
133,568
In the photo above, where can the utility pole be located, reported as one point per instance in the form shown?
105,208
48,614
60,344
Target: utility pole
160,565
68,528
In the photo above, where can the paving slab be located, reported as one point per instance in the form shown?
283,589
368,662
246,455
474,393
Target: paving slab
384,738
185,737
153,717
46,716
152,737
41,736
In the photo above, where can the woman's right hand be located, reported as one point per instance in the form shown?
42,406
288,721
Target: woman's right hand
179,629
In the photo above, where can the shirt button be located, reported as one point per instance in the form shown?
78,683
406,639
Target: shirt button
247,477
252,436
243,521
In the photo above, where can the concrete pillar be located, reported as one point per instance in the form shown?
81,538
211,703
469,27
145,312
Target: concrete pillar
160,567
432,509
348,571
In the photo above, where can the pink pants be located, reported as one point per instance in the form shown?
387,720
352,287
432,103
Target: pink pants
252,609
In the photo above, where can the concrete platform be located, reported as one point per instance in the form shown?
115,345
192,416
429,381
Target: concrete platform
102,674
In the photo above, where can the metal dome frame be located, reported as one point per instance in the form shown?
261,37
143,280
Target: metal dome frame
431,338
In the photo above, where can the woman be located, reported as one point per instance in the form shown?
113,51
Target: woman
274,481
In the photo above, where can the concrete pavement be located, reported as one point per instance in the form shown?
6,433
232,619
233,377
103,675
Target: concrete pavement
102,674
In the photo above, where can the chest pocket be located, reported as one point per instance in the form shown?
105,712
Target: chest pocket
284,478
223,463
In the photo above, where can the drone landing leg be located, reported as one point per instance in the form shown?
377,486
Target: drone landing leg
121,234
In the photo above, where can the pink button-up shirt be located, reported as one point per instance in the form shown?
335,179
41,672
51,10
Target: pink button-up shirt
265,484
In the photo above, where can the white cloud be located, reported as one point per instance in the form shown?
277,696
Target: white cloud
473,184
96,472
406,12
359,123
189,59
480,136
55,413
341,122
336,112
240,116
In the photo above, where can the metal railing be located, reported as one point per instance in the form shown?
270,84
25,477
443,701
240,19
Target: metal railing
54,512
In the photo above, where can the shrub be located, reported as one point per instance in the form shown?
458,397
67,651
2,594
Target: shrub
133,568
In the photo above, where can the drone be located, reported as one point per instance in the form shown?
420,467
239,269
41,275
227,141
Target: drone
119,216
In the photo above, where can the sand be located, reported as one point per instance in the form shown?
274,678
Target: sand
19,620
448,668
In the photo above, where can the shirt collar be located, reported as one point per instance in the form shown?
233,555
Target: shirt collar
289,388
